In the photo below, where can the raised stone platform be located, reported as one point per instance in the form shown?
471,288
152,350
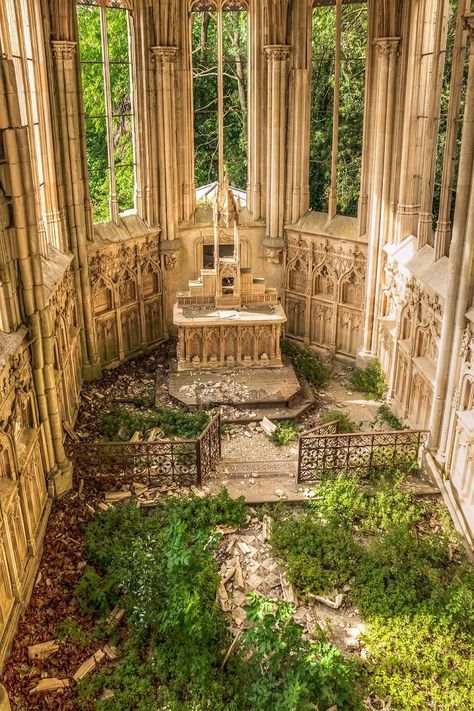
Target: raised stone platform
240,387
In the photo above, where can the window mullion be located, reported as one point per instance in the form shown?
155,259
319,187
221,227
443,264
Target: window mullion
108,116
220,94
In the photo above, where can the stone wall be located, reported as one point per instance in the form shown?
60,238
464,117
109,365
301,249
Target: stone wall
324,284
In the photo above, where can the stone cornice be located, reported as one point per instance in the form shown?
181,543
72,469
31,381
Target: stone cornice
386,46
63,49
277,52
164,55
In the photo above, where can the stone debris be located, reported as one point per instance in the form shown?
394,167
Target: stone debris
334,604
110,651
268,426
50,684
42,650
89,665
113,496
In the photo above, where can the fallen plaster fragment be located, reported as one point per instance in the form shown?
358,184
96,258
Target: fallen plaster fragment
50,684
89,665
334,604
42,650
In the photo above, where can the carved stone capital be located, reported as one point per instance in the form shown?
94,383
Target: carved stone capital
63,49
164,55
469,23
277,52
386,46
170,250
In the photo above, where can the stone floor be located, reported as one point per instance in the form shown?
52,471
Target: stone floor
247,565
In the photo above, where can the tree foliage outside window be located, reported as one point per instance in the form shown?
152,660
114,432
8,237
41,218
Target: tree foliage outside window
106,84
205,92
354,25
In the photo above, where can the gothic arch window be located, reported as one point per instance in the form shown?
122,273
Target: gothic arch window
21,36
339,45
219,50
105,54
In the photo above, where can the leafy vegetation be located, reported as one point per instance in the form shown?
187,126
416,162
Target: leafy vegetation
370,381
306,363
120,424
385,414
318,556
343,419
413,586
286,431
159,568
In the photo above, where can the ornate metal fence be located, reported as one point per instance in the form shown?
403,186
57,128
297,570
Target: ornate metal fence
321,452
154,464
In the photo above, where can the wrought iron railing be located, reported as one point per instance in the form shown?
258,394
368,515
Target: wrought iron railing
321,452
186,462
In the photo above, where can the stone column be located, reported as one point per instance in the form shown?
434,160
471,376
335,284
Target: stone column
277,59
425,220
387,50
460,274
164,60
77,215
443,227
256,112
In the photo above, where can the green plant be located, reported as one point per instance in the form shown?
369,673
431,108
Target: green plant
342,418
91,593
306,363
318,556
420,663
399,572
120,424
72,631
287,672
286,431
370,381
385,414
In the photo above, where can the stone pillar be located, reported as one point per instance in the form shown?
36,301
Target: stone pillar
443,227
425,220
460,274
277,59
77,214
4,701
256,113
387,50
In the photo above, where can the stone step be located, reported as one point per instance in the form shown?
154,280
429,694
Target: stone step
232,469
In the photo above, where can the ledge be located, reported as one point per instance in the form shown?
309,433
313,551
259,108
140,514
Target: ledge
340,227
127,228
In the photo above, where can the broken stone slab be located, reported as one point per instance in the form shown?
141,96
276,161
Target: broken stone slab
334,604
50,684
115,616
287,589
89,665
244,547
110,651
42,650
239,577
268,426
112,496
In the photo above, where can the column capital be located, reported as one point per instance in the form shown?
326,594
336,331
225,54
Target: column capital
277,52
164,55
386,46
63,49
469,24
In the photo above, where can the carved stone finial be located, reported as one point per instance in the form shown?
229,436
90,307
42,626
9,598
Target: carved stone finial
63,49
386,46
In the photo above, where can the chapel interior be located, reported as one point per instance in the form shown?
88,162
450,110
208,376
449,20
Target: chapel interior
168,164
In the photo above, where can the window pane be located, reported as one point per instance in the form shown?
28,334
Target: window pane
90,42
234,38
324,47
117,35
204,47
351,107
96,144
93,89
124,186
123,140
120,88
99,182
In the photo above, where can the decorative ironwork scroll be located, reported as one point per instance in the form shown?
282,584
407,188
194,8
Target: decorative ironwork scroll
184,462
361,452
